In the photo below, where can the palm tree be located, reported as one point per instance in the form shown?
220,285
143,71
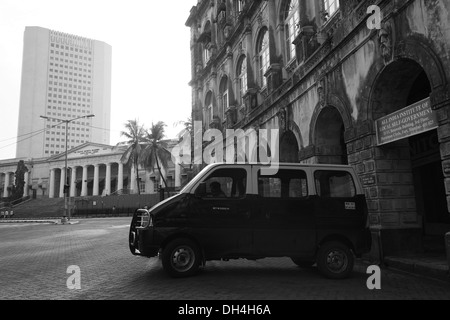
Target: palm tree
187,127
135,135
155,150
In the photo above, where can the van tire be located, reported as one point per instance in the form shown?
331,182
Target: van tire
181,258
335,260
305,264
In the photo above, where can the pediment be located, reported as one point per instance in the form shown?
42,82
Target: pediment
87,150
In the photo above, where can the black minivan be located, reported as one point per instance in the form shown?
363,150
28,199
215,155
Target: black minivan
310,213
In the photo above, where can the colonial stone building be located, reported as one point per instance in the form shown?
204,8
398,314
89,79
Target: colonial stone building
93,170
342,88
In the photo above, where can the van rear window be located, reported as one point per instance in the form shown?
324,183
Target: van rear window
334,184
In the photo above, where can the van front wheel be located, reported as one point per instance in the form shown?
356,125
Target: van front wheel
181,258
335,260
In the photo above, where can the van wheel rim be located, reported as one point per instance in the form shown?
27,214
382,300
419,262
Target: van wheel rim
337,261
183,258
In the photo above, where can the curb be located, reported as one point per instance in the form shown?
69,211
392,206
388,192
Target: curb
55,222
429,270
28,221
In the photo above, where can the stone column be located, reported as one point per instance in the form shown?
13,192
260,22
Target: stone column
120,177
25,188
5,189
51,192
62,183
96,180
1,190
177,175
84,189
441,104
73,185
108,179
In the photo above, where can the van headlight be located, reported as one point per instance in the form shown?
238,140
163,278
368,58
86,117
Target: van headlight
145,218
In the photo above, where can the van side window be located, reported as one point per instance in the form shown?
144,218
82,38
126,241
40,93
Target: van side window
227,183
334,184
285,184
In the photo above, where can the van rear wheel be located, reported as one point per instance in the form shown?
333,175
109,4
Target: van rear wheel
181,258
335,260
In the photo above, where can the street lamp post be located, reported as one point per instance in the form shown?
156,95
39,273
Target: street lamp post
66,216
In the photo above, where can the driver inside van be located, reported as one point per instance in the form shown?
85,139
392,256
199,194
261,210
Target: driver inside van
216,190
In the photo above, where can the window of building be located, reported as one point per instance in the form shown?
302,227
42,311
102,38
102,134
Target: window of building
331,6
240,5
209,114
291,28
225,104
206,54
224,94
155,183
243,78
263,56
205,38
142,186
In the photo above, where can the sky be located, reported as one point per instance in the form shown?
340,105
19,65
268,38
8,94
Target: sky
151,58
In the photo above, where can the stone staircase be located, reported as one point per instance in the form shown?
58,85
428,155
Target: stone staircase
86,206
40,208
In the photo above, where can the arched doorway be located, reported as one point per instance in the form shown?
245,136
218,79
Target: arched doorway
415,184
329,137
289,148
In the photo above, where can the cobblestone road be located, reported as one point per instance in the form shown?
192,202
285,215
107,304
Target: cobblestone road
34,261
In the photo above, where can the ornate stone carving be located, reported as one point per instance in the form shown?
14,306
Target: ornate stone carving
250,99
321,92
348,6
260,19
385,41
215,123
282,118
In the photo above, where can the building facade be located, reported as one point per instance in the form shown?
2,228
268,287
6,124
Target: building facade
63,77
364,83
92,170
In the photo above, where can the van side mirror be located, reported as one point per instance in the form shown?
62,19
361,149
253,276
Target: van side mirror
200,192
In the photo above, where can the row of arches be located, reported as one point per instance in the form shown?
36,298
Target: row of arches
251,59
400,84
410,171
327,137
290,16
214,34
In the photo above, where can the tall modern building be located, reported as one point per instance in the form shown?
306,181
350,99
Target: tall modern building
65,77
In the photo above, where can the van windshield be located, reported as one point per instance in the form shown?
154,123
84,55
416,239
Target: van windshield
194,181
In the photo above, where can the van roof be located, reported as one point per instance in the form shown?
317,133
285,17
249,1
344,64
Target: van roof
285,164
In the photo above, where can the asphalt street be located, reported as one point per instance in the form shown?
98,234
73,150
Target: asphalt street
91,261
